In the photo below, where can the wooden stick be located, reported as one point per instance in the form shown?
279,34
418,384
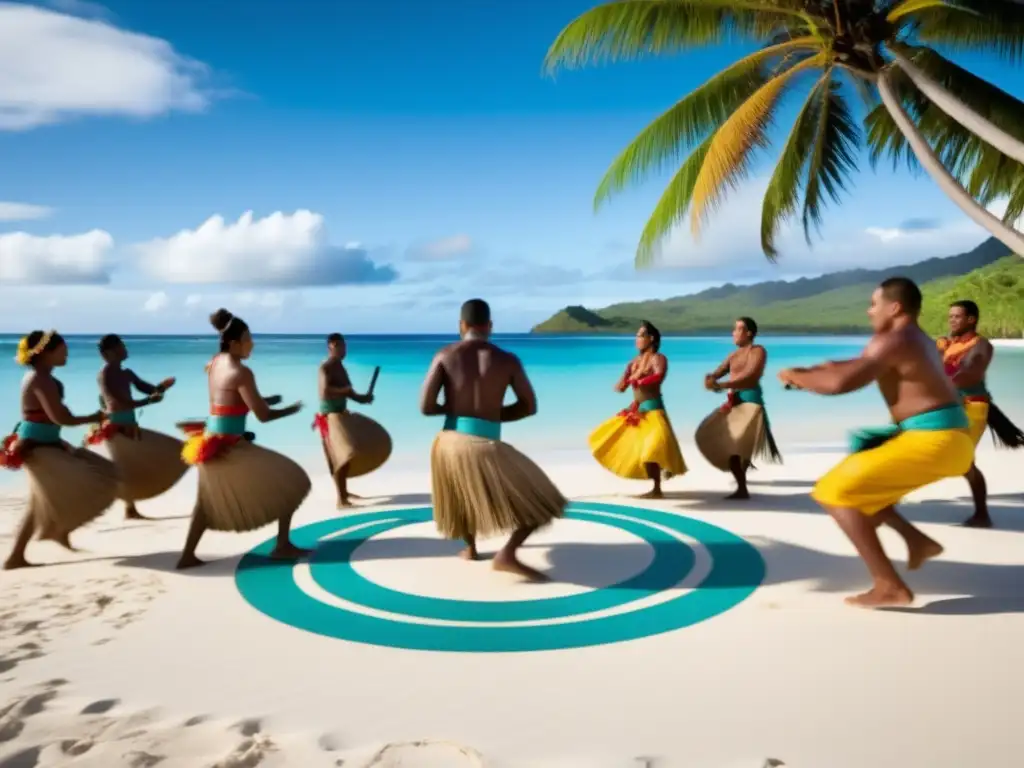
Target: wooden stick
373,380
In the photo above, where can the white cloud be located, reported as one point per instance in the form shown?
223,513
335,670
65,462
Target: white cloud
55,66
23,211
157,302
55,259
281,250
445,249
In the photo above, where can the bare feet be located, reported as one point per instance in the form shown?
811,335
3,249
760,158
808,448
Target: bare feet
654,493
133,514
469,553
344,503
12,563
60,537
356,496
510,564
921,552
189,561
978,521
884,596
288,552
738,495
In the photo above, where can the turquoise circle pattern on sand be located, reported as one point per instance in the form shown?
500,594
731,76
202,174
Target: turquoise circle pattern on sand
332,569
736,571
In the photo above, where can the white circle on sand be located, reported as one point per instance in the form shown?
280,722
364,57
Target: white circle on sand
578,556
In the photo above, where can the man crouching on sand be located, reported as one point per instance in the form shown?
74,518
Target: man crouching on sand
482,486
926,442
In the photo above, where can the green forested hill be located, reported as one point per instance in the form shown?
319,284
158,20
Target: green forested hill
833,303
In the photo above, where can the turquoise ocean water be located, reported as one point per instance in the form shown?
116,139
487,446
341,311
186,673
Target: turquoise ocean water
573,377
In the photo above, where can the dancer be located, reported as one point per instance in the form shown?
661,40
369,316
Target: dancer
967,356
149,462
353,444
481,485
927,441
68,487
242,486
739,430
638,443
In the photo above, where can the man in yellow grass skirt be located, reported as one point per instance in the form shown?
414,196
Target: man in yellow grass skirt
967,356
353,444
927,441
149,462
482,485
738,431
638,443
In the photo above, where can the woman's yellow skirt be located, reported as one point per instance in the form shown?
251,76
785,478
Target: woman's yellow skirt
628,441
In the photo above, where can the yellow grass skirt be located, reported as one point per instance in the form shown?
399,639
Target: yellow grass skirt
739,431
149,462
977,417
877,478
484,487
246,486
68,487
358,441
629,440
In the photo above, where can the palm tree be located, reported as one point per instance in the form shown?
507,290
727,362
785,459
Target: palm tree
958,128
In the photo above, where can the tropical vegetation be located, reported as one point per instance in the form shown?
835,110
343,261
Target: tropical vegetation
832,303
920,106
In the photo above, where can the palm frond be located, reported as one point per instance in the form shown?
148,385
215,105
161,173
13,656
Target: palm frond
627,29
991,26
782,195
906,7
672,205
728,157
691,119
834,157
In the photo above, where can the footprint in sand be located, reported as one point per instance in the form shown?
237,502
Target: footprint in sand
426,754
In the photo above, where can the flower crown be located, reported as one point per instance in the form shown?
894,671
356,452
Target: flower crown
26,353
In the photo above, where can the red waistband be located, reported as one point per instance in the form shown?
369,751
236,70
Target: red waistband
36,416
228,410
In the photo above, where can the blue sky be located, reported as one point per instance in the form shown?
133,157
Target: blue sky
397,158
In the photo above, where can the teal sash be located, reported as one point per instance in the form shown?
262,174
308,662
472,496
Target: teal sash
225,425
332,406
654,404
753,395
468,425
40,433
123,418
950,417
978,390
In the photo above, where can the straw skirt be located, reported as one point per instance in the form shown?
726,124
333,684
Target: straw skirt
149,462
356,440
247,486
739,431
68,487
484,487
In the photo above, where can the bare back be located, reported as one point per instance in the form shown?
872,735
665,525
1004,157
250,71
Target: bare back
333,376
115,388
911,376
226,376
35,382
474,375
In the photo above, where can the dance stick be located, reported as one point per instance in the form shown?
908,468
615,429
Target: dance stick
373,380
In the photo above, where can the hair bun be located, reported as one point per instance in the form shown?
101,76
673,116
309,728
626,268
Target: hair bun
221,319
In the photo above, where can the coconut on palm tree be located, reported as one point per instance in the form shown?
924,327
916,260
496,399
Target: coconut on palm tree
966,133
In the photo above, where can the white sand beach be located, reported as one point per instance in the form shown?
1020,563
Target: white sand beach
110,658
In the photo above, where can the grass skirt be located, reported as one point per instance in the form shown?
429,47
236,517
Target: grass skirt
246,486
68,487
484,487
149,462
738,431
358,441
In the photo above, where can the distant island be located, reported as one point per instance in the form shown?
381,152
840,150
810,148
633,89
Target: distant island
834,303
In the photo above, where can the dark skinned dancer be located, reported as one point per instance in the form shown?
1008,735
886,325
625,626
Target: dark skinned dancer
149,462
639,443
353,444
927,441
242,486
967,355
68,486
739,431
481,485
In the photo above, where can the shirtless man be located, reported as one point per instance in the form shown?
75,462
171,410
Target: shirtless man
482,486
115,383
927,442
745,367
967,356
335,390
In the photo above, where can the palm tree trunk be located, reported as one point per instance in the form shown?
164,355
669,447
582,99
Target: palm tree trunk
977,124
926,156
